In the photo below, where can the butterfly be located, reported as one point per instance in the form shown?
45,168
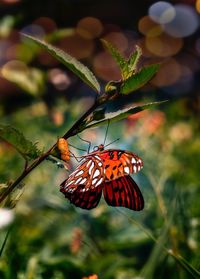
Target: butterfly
106,171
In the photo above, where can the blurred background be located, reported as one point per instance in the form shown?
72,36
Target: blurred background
48,237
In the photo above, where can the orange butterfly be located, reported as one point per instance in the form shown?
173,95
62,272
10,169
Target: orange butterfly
108,171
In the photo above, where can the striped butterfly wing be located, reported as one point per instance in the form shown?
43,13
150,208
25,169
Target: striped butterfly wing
85,200
83,187
123,192
118,163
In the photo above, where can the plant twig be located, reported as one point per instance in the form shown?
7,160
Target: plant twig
71,132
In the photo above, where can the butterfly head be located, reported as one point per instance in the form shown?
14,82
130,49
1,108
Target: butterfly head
99,148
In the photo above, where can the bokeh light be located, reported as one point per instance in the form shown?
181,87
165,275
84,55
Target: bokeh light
89,27
148,27
77,46
47,24
198,6
185,22
10,1
105,67
6,217
164,45
169,73
118,39
162,12
59,78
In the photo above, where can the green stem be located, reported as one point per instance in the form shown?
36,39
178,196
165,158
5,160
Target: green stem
71,132
182,261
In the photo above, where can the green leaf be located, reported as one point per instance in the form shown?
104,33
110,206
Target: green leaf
74,65
28,79
14,196
139,79
100,116
25,147
121,61
133,61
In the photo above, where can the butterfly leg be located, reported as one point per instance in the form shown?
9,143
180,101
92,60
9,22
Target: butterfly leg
75,157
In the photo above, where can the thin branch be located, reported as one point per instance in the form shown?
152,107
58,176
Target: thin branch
71,132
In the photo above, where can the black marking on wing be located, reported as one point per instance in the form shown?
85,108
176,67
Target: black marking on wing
123,192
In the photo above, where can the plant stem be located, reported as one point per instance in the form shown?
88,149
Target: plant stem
71,132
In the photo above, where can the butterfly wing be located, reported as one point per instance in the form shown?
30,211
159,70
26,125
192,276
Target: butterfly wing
85,200
118,163
83,187
123,192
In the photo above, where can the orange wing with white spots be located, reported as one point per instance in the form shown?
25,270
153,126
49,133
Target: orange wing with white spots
118,163
89,174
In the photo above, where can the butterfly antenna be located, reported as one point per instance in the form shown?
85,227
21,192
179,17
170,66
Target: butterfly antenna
111,142
106,131
76,147
89,142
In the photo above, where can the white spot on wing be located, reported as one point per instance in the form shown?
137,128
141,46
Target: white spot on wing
96,173
83,181
126,170
133,161
91,168
134,168
88,163
100,164
77,181
97,157
69,183
139,167
79,173
99,182
94,181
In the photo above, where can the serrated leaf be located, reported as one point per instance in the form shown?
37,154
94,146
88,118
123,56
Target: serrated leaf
74,65
28,79
25,147
120,60
139,79
101,117
133,61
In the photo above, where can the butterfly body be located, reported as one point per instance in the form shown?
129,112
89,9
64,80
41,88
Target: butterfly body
107,170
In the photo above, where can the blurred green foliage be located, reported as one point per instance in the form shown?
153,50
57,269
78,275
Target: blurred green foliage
51,238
